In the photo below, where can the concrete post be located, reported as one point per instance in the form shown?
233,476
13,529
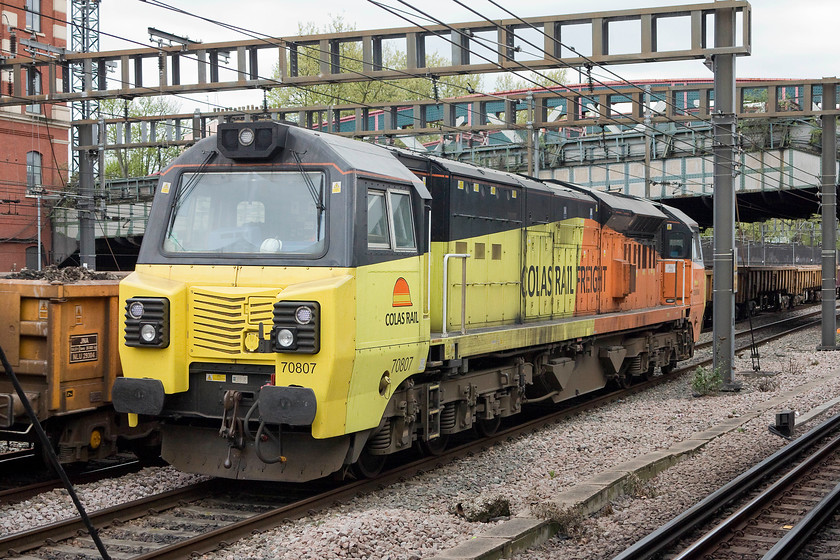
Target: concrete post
86,205
829,218
723,123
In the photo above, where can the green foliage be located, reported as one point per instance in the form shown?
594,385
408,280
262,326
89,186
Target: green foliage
706,381
365,91
137,162
531,80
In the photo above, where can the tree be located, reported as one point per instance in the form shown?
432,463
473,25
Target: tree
531,80
137,162
366,91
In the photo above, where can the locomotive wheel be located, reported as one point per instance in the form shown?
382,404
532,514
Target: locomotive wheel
672,365
623,381
433,447
368,466
486,428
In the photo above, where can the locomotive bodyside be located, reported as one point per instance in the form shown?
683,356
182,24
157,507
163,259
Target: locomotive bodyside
301,306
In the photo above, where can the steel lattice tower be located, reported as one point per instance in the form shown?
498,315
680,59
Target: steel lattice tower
84,37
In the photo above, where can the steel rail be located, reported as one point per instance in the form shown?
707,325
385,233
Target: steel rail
68,528
703,511
789,546
34,538
768,326
716,534
11,495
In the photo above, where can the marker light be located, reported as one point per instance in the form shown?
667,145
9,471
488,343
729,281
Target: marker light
285,338
303,315
135,310
148,333
246,136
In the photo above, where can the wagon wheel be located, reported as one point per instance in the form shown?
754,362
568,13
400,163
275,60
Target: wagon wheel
486,428
368,465
672,365
433,447
42,452
648,373
623,379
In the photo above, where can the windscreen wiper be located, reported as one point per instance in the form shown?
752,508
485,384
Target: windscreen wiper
317,194
181,194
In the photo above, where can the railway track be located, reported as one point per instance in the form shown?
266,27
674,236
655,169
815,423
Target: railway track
800,492
17,488
786,326
201,518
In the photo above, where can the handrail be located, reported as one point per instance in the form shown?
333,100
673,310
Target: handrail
429,264
446,258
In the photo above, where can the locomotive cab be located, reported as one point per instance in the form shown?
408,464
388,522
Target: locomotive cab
251,306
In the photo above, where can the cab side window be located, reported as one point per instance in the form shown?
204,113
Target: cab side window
677,246
401,217
377,221
390,220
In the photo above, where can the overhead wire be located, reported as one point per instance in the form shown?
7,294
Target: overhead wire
455,129
512,59
453,30
388,8
605,68
271,41
394,11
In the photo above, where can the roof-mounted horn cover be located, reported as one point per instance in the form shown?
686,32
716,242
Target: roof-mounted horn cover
251,140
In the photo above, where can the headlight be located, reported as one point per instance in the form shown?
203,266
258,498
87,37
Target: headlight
303,315
296,327
147,322
148,333
285,338
135,310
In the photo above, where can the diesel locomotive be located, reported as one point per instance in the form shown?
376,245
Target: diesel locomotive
306,304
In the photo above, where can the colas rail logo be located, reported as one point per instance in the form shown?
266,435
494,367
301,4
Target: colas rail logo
401,298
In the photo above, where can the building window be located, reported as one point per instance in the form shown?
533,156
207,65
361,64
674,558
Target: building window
33,87
33,15
33,169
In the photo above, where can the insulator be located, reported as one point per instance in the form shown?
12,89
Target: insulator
13,43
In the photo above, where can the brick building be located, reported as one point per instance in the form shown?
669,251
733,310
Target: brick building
33,138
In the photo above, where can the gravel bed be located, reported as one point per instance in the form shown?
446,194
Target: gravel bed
55,505
425,515
10,446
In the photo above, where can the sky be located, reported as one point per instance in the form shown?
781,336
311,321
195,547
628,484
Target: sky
789,39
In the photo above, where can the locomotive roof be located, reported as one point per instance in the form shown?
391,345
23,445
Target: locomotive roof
680,215
363,157
504,177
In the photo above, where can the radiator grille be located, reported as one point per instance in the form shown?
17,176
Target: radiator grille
218,322
222,317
